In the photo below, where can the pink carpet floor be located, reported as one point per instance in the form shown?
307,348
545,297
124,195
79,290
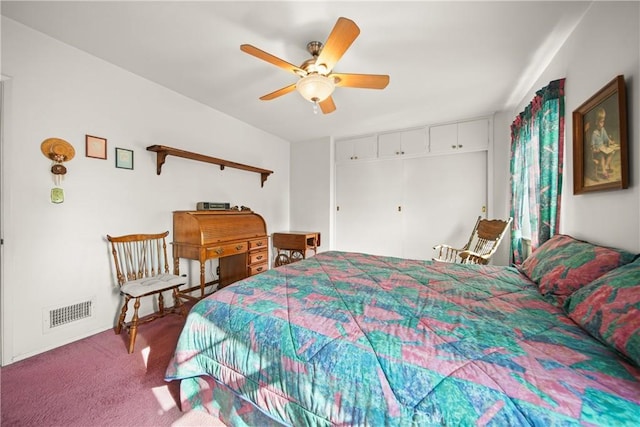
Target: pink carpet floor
95,382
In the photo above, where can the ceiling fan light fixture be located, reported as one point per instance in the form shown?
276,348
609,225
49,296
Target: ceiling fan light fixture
316,81
315,87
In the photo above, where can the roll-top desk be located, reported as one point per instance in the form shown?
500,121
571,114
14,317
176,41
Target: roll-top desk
238,239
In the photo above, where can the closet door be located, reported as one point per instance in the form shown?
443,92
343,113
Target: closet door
368,197
443,196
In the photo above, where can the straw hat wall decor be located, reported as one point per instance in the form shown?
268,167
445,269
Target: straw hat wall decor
58,151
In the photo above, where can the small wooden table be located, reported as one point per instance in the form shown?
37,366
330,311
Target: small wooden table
292,246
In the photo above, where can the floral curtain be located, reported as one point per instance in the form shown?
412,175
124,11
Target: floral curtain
537,147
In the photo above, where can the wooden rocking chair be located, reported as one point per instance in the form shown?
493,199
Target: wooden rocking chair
482,244
142,270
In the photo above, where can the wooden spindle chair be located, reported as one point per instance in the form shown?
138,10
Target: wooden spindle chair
483,243
142,270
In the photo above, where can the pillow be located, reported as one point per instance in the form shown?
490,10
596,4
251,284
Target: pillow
609,309
562,265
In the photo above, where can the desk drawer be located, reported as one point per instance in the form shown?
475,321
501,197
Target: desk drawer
258,268
258,243
226,250
258,257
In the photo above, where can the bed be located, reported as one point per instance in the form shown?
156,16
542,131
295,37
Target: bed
360,340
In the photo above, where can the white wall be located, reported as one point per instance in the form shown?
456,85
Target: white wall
311,184
57,254
604,45
501,181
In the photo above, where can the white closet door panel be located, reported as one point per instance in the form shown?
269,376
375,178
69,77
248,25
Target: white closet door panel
367,197
443,196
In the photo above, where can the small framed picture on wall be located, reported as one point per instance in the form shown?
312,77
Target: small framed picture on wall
96,147
124,158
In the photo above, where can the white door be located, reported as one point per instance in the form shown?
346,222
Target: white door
368,195
443,197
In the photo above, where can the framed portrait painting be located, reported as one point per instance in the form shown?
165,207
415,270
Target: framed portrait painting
600,160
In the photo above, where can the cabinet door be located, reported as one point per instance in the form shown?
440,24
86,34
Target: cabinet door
473,135
344,151
365,147
414,141
390,144
368,195
443,196
443,138
232,269
463,136
406,142
357,148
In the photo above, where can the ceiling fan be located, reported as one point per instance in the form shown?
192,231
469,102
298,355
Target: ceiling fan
317,79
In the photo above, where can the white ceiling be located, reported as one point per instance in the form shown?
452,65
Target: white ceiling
447,60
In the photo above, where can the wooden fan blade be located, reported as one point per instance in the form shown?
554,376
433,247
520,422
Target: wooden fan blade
285,90
327,106
343,34
261,54
364,81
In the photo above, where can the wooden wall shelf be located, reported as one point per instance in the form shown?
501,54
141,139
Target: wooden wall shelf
163,151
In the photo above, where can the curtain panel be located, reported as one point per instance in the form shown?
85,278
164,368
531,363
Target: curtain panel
537,150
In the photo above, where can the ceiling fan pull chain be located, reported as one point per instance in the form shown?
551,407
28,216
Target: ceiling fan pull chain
315,107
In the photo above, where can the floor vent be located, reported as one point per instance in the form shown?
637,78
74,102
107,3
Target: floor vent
71,313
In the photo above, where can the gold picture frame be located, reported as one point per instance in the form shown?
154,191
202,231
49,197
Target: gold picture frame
600,153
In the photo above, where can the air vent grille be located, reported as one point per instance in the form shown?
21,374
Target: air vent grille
71,313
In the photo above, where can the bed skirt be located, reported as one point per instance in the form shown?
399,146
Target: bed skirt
205,394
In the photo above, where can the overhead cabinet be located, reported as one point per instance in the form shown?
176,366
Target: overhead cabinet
364,147
403,143
462,136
